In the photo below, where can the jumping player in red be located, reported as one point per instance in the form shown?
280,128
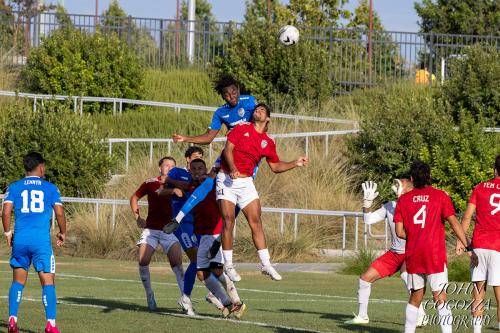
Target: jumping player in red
485,202
419,219
246,145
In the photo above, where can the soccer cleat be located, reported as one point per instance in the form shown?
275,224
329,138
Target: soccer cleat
51,329
269,270
13,326
214,249
357,320
422,319
186,305
171,226
151,303
232,273
238,310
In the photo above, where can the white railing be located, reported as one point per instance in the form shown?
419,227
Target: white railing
345,215
152,141
119,102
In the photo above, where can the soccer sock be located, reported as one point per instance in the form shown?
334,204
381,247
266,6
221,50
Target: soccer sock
230,288
364,291
146,279
189,278
213,284
179,276
228,257
49,302
264,256
477,323
15,296
411,318
404,278
196,197
445,318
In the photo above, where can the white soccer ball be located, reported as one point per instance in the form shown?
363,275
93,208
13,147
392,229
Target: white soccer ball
288,35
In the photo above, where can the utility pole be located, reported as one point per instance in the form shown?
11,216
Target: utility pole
269,10
191,27
370,43
96,18
177,30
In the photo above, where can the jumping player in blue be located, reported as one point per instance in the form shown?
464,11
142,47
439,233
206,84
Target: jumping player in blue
32,200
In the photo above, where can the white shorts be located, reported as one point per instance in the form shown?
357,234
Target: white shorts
437,281
154,237
240,191
488,268
204,244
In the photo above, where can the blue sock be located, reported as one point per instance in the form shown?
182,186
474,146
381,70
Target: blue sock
189,278
49,301
15,296
199,194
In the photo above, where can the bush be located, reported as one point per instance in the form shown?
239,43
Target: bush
78,161
397,122
358,264
459,269
473,86
462,159
70,62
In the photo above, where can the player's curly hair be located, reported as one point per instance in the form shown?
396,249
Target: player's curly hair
223,82
193,149
32,160
420,173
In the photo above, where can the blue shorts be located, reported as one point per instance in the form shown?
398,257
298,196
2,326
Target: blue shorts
185,235
40,255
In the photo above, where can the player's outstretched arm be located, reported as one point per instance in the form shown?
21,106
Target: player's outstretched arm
285,166
6,216
61,222
203,139
466,219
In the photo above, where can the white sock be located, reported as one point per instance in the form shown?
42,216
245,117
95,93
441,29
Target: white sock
477,324
146,279
213,284
230,288
364,291
52,322
445,318
421,310
499,325
404,277
180,216
179,276
15,318
411,318
264,256
228,257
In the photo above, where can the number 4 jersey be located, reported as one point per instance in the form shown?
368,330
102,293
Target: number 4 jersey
33,199
422,212
486,197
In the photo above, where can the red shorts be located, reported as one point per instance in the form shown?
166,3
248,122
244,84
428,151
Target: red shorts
388,263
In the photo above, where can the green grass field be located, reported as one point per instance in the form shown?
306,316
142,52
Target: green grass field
107,296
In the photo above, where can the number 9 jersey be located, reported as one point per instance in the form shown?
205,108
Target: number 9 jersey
32,198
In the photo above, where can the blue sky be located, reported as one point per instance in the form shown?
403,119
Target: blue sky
396,15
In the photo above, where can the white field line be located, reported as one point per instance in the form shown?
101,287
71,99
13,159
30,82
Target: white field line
244,322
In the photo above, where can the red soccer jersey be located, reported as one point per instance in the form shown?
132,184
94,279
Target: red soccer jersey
250,147
422,212
207,218
159,208
486,197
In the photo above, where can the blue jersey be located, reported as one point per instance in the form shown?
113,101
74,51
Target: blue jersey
232,116
182,175
33,199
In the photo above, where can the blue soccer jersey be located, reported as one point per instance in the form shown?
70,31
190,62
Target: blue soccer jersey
232,116
33,199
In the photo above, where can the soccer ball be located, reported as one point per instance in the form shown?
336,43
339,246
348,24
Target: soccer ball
288,35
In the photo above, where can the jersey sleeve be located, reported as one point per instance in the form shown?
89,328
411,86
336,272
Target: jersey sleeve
235,134
273,155
141,191
473,197
376,216
9,195
56,197
447,206
216,123
398,215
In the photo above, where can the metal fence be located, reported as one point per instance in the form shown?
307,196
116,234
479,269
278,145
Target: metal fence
357,58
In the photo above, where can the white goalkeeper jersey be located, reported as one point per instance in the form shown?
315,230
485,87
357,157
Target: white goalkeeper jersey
386,212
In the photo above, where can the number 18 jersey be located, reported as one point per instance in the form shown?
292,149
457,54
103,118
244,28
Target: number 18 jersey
422,212
33,199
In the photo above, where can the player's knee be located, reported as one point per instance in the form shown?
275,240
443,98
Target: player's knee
202,274
144,262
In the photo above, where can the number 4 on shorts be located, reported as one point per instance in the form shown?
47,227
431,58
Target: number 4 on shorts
419,218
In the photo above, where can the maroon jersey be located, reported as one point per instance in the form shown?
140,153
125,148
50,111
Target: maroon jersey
207,218
422,212
250,147
159,208
486,197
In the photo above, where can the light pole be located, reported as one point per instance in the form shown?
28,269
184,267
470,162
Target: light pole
191,27
370,43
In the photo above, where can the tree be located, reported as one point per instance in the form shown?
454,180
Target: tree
203,11
471,17
361,17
